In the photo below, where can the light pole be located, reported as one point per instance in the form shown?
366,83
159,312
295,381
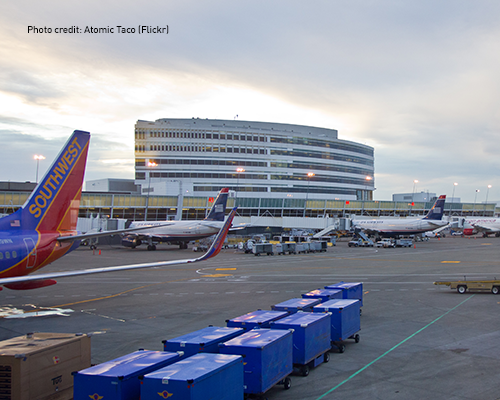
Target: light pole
486,202
151,164
309,176
239,170
455,184
415,181
365,195
38,157
475,197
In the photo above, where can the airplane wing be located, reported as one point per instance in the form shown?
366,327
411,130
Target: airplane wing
105,233
212,252
486,228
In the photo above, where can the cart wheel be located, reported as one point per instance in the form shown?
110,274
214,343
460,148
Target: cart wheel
461,289
341,347
356,338
326,357
304,370
288,383
495,290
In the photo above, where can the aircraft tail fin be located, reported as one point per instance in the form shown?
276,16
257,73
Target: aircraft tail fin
436,212
218,210
55,202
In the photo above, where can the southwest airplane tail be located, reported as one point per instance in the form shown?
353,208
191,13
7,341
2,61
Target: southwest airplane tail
436,212
28,237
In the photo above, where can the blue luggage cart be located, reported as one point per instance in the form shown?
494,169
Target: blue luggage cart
205,340
350,290
295,305
118,379
199,377
345,321
311,338
255,319
268,358
323,294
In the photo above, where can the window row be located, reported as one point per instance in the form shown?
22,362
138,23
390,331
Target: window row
7,255
322,167
170,134
321,154
170,161
200,148
323,143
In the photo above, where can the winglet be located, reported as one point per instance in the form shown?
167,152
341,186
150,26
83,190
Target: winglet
219,239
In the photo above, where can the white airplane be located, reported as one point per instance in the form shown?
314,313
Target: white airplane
485,225
179,232
405,226
44,228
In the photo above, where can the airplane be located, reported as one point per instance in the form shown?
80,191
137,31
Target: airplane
180,232
405,226
44,228
485,225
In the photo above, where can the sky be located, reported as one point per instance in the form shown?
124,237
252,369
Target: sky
418,81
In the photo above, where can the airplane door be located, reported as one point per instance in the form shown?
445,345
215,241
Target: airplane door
31,250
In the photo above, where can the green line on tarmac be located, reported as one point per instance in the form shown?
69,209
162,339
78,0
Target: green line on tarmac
388,351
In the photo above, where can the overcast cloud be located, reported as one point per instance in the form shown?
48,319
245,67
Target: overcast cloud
418,81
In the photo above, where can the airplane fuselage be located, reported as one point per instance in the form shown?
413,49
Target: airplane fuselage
399,227
180,230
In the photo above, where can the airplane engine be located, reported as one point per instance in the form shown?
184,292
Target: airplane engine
131,241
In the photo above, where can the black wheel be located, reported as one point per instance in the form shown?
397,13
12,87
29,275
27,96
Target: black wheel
461,289
304,370
341,347
287,384
356,338
495,290
326,357
93,247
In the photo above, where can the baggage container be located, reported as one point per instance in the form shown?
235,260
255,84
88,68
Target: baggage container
345,320
205,340
289,247
268,355
263,248
199,377
255,319
118,379
350,290
295,305
39,365
311,338
315,246
303,247
323,294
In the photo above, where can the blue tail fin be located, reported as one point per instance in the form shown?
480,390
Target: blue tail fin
218,210
436,212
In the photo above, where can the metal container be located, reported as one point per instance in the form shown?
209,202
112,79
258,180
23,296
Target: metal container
205,340
118,379
311,334
256,319
263,248
289,247
323,294
345,321
295,305
39,365
268,355
199,377
350,290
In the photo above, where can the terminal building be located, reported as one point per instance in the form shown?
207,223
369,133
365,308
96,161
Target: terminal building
253,159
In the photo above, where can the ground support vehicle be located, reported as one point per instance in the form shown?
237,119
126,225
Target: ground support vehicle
118,378
385,243
255,319
345,320
360,243
197,377
263,248
462,287
311,339
205,340
268,359
404,243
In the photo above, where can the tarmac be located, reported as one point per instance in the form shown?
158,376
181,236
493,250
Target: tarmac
417,340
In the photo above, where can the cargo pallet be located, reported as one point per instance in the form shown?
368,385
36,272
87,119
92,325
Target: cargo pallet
463,286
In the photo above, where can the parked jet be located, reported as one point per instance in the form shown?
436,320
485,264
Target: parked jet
179,232
405,226
473,225
44,229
